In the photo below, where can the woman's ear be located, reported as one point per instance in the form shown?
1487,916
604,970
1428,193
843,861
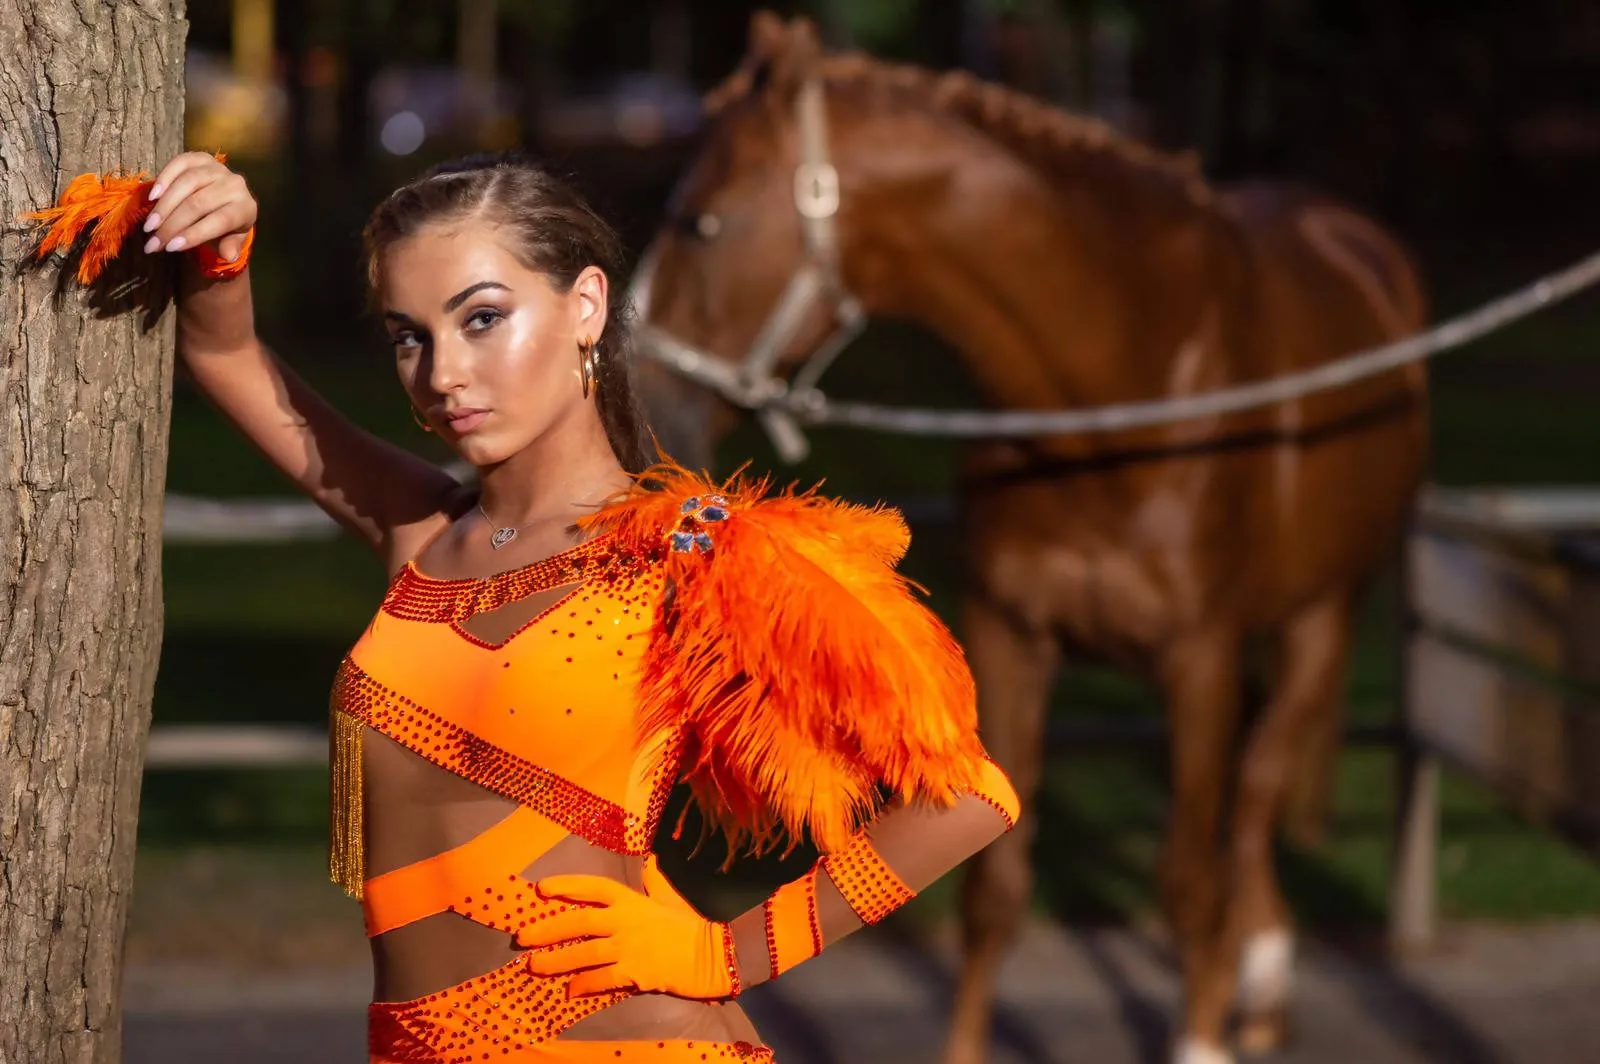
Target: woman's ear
592,295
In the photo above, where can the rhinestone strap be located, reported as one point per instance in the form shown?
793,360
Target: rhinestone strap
457,750
870,887
774,965
730,959
415,596
790,915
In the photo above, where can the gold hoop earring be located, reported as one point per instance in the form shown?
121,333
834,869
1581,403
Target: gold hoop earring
421,424
586,365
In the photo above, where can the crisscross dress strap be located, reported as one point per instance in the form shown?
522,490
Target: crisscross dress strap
445,881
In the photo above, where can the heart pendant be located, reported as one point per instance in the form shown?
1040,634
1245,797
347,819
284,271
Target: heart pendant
501,537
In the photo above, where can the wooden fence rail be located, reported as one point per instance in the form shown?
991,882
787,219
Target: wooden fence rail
1500,669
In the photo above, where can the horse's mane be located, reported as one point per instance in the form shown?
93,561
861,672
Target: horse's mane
1047,137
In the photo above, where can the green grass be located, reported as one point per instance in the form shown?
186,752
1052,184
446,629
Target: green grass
254,633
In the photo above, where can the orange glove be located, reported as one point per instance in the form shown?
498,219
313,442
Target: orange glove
619,939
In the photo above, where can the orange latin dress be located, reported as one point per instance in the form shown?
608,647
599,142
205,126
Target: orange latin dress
789,677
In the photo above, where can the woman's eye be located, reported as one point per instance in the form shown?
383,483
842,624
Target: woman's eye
404,340
483,319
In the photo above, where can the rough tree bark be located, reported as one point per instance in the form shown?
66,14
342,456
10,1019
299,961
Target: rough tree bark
84,403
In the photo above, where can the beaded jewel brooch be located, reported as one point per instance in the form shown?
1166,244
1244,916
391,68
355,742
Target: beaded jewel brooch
697,512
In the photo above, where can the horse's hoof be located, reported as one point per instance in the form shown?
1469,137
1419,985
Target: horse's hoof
1263,1033
1193,1051
1266,972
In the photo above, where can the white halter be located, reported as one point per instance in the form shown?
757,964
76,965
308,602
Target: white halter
752,383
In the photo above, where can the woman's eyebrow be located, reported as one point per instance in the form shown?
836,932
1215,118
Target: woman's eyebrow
461,297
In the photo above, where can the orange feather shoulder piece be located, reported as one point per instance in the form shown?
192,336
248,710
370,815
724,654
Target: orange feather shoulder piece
803,670
111,209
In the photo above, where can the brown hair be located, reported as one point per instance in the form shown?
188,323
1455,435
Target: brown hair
551,229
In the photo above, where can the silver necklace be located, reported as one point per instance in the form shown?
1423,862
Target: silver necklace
501,536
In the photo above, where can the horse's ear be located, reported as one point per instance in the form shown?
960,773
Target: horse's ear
804,41
792,61
767,33
779,58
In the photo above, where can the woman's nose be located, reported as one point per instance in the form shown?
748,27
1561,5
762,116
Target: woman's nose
447,370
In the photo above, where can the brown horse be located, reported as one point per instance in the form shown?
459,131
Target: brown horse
1072,268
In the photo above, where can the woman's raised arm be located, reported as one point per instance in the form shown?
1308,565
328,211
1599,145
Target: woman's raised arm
379,491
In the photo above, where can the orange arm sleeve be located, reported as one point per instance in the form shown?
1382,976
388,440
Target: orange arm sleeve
905,849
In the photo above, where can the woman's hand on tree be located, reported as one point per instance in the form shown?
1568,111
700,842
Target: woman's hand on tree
196,199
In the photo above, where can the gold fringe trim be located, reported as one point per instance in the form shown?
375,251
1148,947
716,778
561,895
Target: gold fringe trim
346,847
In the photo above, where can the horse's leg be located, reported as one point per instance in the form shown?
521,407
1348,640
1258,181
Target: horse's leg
1306,701
1305,814
1201,673
1014,665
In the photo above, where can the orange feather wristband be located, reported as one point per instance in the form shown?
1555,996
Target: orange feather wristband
111,209
214,266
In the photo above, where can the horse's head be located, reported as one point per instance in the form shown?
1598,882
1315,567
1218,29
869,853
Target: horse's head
743,282
986,216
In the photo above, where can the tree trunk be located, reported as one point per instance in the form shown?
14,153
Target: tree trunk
84,404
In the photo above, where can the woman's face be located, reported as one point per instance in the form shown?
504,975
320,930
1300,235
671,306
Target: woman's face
486,348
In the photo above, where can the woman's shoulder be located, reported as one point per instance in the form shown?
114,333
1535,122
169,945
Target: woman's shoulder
412,534
677,512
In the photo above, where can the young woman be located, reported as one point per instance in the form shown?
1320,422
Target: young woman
563,642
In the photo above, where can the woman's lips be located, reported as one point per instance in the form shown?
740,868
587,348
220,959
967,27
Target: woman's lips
462,422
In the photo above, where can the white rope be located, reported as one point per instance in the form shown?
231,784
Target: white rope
192,520
811,406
